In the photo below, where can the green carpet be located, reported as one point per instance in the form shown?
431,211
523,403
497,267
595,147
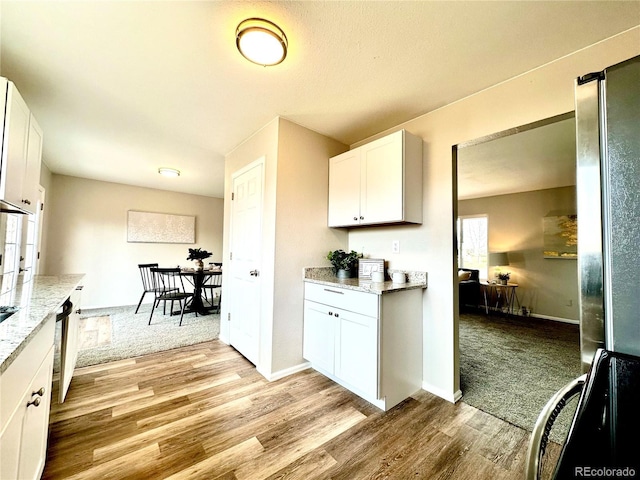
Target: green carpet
511,366
116,333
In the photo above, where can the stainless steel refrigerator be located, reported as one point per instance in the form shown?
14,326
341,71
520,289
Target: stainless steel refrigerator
608,191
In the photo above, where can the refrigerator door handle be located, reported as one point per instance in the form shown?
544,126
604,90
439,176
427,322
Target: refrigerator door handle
590,219
546,419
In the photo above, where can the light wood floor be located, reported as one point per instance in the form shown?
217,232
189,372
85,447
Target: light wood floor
204,412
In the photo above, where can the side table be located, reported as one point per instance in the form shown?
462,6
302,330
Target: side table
505,296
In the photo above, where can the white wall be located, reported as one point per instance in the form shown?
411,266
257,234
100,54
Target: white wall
545,285
302,236
294,235
87,233
536,95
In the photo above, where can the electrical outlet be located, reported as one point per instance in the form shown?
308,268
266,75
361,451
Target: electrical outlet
395,246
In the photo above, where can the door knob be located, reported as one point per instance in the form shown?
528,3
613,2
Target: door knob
254,273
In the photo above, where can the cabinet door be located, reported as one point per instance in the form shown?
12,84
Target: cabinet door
382,186
344,189
14,147
35,427
10,444
357,352
32,169
318,344
69,344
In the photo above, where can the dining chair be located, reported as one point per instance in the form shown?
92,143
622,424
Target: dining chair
213,283
148,281
171,289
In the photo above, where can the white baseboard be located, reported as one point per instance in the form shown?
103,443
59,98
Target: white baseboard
284,373
556,319
449,397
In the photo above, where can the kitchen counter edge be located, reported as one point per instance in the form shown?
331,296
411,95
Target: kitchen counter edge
41,297
320,276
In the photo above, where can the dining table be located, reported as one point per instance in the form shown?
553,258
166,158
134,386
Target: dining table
197,278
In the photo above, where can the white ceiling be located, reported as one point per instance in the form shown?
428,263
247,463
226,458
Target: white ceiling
122,88
534,159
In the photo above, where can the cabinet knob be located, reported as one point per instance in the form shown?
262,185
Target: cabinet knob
361,217
336,315
39,392
26,201
35,402
254,273
355,218
79,311
331,314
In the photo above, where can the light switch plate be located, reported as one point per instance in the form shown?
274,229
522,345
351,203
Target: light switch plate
395,246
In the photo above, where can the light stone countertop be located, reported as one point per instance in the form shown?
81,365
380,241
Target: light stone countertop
325,276
37,299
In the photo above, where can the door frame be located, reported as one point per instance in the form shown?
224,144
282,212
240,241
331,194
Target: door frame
39,227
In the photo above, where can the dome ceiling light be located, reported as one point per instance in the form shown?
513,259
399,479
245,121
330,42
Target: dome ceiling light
261,41
169,172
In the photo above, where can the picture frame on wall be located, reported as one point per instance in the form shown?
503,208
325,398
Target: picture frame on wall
152,227
366,266
561,237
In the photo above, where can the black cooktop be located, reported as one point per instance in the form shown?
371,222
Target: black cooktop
6,312
604,438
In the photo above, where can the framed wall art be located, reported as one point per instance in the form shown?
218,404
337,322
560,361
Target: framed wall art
561,236
148,227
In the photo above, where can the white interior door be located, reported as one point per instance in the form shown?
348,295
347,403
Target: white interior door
245,252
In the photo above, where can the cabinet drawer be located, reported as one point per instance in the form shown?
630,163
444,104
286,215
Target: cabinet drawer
16,378
343,298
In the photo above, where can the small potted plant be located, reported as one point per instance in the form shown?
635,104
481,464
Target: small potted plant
344,264
197,254
504,277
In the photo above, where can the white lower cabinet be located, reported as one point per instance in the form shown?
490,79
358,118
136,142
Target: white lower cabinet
37,402
25,391
319,336
357,352
369,343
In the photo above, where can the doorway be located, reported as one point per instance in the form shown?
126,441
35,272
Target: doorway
510,365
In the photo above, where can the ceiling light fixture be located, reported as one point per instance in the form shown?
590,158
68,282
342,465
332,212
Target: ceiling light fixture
261,41
169,172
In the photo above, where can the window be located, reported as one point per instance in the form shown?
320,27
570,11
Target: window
472,243
11,229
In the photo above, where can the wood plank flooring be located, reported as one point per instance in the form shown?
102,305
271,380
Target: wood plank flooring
204,412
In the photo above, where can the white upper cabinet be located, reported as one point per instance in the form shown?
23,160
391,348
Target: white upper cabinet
344,189
21,151
377,183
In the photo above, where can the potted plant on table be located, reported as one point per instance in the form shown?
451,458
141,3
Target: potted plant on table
504,277
197,254
344,264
